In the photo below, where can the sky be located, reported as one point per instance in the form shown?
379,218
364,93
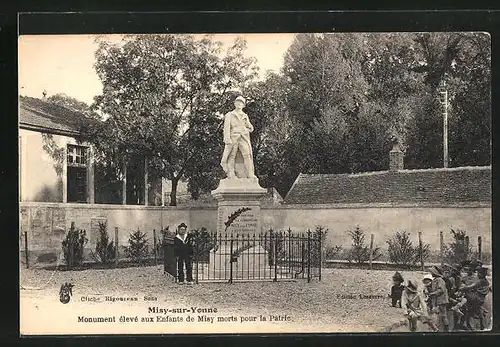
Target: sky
64,63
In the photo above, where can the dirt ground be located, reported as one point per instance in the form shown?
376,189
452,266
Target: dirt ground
345,300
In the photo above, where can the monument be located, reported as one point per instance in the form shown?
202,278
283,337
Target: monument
237,195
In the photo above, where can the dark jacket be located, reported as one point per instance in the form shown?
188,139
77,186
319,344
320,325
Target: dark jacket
183,249
396,292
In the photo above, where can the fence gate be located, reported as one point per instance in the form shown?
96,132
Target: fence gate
270,256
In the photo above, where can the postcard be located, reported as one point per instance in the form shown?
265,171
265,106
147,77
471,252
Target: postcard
255,183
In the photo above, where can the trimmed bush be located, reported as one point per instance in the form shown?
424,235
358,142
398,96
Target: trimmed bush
73,246
204,242
359,251
105,249
457,250
138,246
333,252
401,250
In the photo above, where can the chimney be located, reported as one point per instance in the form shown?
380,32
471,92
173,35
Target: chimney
396,157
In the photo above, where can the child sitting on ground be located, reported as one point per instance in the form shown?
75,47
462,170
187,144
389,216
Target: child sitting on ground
397,289
415,308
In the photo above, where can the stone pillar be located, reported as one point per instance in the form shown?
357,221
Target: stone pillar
146,190
233,195
65,174
163,191
124,185
237,197
90,176
396,157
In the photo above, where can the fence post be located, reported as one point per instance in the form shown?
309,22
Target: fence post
420,246
275,256
26,249
479,247
154,244
467,246
231,261
441,247
308,256
320,255
116,245
71,245
290,250
371,251
196,251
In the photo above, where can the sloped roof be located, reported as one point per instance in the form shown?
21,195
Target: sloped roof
40,115
451,185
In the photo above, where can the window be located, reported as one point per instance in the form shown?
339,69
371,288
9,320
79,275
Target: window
77,156
77,174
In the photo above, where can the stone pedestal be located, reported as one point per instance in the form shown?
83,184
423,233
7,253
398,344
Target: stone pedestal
239,198
237,194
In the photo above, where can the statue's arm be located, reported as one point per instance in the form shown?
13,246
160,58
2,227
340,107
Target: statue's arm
248,124
227,129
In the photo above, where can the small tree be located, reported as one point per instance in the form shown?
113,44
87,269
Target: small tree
332,252
203,243
360,252
401,250
105,249
457,250
318,234
73,246
138,249
164,234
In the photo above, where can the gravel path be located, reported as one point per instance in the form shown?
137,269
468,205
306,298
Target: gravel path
344,301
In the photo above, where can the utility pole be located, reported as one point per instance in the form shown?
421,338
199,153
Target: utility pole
443,100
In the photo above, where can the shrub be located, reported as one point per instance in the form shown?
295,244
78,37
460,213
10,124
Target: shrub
161,239
105,249
333,252
275,244
73,246
138,246
457,250
204,242
485,257
401,250
359,251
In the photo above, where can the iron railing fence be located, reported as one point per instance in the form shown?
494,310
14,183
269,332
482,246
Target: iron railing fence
271,256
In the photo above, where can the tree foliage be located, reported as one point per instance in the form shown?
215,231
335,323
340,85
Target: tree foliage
402,251
73,246
163,95
335,107
105,248
360,251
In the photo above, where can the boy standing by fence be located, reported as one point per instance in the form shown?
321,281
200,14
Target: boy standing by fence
183,251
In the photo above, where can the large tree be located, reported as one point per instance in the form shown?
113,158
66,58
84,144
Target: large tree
462,60
163,94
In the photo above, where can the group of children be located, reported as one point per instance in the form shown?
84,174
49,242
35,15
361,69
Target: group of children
445,288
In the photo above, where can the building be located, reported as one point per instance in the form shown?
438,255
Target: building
53,165
57,168
385,202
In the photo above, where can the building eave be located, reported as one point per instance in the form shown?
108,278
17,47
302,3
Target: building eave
42,129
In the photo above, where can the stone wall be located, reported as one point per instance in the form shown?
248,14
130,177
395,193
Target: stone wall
47,223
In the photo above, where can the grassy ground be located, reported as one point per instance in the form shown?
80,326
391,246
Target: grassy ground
346,300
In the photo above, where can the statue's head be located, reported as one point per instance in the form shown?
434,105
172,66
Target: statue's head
239,102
